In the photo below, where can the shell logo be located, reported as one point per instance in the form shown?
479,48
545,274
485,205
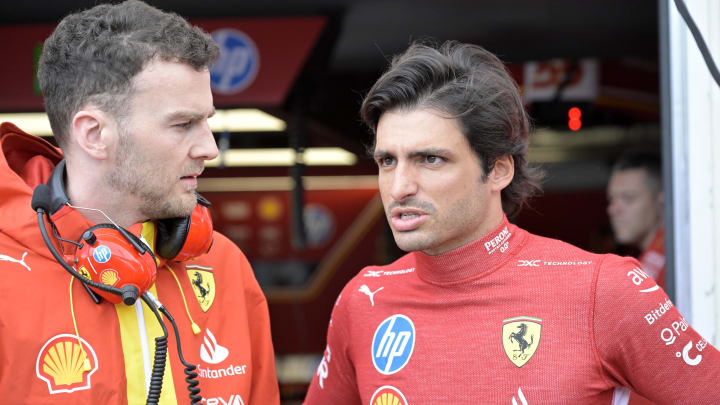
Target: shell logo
388,395
60,364
109,277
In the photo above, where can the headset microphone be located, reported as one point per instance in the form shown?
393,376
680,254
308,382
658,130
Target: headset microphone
41,198
118,266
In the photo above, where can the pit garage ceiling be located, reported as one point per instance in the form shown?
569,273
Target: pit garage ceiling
517,30
361,36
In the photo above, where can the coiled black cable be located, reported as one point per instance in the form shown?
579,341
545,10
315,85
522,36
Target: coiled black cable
156,380
161,345
190,374
192,382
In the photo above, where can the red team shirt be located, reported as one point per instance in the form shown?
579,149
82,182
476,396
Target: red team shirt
653,258
512,318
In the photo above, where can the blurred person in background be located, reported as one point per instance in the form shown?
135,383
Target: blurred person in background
635,207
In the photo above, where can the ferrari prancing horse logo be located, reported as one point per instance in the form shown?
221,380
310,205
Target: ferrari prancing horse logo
203,284
520,338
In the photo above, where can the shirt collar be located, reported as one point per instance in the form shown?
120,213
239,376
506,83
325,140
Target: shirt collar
475,258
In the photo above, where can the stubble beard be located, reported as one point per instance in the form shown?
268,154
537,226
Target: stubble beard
138,176
623,234
408,242
417,239
458,223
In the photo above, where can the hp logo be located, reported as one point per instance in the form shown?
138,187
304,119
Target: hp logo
102,254
238,64
393,344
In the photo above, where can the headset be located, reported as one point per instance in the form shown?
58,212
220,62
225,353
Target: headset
118,266
113,262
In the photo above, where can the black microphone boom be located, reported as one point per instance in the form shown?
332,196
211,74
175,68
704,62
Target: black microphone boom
41,198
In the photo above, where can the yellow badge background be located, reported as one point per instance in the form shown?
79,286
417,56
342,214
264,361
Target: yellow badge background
83,272
203,285
513,338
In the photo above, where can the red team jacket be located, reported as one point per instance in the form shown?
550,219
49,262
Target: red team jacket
512,318
40,356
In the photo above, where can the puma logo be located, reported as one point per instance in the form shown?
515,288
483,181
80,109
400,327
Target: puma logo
20,262
366,290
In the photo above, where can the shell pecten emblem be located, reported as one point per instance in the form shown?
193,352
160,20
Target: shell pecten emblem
109,277
60,363
388,395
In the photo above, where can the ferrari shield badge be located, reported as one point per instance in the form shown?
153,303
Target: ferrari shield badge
203,284
521,338
84,272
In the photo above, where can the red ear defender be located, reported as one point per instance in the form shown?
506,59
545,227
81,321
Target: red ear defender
185,238
107,257
200,234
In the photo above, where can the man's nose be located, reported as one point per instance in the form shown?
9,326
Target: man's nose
613,208
205,148
404,182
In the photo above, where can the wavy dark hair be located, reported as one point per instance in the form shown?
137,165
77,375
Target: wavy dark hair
93,56
467,83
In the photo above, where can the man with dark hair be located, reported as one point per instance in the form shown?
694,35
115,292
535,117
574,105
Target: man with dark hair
635,207
127,91
481,311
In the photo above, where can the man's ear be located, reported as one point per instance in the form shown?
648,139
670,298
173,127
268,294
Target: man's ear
502,173
92,132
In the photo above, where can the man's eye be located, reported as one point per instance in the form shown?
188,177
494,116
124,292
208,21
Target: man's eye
386,161
433,159
184,125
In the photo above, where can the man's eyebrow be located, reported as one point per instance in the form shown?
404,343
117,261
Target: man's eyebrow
414,154
429,152
188,114
381,154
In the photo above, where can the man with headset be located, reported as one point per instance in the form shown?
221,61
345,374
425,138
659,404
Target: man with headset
127,91
481,311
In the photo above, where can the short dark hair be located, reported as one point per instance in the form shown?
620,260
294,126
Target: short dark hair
470,84
93,56
641,159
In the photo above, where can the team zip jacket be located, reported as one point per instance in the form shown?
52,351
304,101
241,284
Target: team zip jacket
58,347
512,318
